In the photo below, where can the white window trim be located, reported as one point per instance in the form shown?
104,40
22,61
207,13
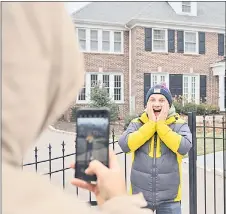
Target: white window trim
166,41
197,43
161,74
99,78
197,85
88,50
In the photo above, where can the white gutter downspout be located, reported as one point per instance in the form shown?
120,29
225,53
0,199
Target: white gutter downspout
130,69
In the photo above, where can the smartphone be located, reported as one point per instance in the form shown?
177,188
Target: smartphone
92,140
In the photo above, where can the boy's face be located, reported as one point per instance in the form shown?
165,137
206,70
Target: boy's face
157,101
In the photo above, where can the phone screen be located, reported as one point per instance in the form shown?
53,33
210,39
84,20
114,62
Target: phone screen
92,143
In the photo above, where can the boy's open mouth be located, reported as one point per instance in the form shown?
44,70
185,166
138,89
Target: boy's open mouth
157,110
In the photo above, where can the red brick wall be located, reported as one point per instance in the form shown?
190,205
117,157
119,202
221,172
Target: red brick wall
173,63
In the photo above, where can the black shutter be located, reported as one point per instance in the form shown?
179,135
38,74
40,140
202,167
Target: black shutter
176,84
148,39
202,88
221,44
171,41
147,85
202,39
180,41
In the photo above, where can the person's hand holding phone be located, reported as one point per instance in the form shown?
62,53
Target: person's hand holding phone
110,181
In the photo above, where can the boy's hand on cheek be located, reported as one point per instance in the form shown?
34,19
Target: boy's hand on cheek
164,112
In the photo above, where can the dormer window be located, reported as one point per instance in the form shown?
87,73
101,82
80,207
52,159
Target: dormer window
186,6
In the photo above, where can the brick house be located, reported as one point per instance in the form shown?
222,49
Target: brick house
129,46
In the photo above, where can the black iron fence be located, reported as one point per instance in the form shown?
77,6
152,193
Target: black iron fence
63,168
209,146
209,143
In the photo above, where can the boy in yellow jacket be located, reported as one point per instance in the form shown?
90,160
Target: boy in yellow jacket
159,139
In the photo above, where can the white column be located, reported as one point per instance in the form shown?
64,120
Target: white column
221,92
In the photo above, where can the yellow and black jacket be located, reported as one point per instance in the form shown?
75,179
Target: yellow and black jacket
158,148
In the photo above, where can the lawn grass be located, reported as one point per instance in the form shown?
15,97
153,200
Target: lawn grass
209,143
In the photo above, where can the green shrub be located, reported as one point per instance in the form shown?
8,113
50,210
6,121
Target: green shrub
100,98
178,106
189,107
128,119
202,109
73,114
212,109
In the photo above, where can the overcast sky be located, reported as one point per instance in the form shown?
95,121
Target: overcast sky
74,6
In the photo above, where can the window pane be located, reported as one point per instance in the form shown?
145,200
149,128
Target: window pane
93,35
187,3
117,94
190,37
93,80
117,87
82,44
106,36
82,38
82,34
159,45
193,89
106,82
117,36
106,46
186,7
163,79
82,94
185,91
190,47
117,47
94,45
117,81
159,34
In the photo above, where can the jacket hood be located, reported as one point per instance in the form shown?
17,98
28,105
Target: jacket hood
172,112
40,80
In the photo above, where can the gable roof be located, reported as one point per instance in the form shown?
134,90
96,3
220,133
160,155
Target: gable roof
111,12
208,13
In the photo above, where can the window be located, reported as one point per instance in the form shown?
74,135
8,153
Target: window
117,41
82,38
113,82
101,41
94,81
190,42
186,7
159,40
159,78
106,83
82,94
117,87
191,88
106,41
94,40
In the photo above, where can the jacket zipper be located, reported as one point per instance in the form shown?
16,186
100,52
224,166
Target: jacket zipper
154,169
